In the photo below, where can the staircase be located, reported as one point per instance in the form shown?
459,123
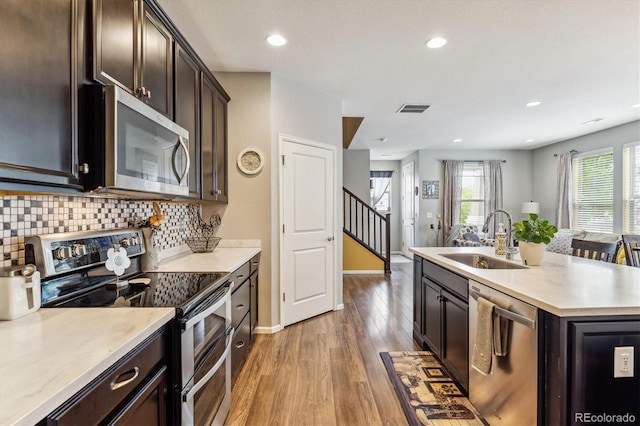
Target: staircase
368,227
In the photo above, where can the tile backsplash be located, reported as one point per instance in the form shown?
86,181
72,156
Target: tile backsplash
26,215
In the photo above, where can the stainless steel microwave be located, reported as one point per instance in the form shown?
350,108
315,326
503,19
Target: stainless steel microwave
130,149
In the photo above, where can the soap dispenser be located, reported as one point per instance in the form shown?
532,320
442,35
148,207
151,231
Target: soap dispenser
501,240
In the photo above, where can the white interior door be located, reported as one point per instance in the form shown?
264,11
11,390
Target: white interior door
308,229
408,208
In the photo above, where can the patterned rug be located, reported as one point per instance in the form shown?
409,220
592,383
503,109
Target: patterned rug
427,394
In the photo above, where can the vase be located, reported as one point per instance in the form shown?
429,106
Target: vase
531,253
150,257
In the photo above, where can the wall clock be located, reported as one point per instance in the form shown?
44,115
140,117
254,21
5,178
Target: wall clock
250,161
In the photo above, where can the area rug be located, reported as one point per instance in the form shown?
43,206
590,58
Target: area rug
427,394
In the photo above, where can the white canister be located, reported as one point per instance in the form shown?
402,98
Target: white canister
19,291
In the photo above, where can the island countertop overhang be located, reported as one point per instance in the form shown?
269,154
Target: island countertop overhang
562,285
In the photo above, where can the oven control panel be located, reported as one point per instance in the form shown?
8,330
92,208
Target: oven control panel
57,253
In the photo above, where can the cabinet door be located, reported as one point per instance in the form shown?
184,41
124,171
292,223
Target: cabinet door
156,75
148,406
254,302
220,146
207,94
187,101
432,322
455,342
417,301
38,93
115,42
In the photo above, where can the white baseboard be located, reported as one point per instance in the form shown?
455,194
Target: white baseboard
340,307
267,330
397,252
354,272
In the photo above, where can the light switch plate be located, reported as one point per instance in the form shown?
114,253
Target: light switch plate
623,361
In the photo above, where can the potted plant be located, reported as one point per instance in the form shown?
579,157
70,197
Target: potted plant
533,235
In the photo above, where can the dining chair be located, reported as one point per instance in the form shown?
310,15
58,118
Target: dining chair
631,243
595,250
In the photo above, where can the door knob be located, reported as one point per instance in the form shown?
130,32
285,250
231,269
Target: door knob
330,239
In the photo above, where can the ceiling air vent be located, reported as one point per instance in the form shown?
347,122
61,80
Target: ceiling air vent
412,109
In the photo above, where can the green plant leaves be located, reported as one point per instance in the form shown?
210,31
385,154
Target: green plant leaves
534,230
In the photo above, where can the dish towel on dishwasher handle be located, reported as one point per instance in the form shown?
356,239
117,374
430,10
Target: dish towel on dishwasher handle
483,347
500,327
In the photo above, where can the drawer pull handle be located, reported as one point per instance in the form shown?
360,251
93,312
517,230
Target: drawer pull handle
240,344
254,263
117,385
240,275
240,307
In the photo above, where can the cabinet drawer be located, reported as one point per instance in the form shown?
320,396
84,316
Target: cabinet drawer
254,263
447,279
240,303
99,398
240,347
241,274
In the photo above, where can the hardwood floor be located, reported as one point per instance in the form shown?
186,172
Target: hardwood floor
327,370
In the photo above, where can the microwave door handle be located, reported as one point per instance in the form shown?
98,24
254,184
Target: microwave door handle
181,176
190,393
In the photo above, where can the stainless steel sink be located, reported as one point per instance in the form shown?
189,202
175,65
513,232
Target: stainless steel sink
482,261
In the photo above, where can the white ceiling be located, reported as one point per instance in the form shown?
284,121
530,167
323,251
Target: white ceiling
580,58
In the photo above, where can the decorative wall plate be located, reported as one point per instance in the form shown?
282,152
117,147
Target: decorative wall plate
250,161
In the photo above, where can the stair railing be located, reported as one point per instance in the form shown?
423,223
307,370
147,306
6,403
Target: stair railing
368,227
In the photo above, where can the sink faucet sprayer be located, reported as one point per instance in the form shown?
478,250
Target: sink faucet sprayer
511,250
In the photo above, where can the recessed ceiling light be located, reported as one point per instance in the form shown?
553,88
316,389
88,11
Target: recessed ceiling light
456,140
635,106
533,103
530,140
383,139
436,42
385,155
276,40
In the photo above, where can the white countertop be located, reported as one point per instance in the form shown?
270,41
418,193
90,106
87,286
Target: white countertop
222,259
48,356
562,285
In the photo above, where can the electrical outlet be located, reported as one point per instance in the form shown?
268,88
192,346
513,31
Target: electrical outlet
623,361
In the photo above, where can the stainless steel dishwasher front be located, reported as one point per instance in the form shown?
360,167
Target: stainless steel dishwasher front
508,395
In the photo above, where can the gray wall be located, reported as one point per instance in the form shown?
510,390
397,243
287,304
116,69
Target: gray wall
516,180
396,200
356,172
545,166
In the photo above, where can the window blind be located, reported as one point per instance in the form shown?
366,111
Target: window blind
631,188
593,191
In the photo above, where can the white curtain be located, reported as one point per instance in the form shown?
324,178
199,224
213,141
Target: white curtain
452,193
564,193
492,191
379,187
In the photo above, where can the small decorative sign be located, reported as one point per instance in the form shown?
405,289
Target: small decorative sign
430,189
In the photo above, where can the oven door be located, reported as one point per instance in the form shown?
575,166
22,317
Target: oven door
206,361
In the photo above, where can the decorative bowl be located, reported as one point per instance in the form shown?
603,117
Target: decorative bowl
202,244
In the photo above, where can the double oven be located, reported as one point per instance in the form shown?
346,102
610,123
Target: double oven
72,266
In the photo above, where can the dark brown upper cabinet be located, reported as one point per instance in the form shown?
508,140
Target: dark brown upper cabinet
187,111
38,94
134,49
214,142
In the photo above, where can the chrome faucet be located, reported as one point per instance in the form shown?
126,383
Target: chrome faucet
511,250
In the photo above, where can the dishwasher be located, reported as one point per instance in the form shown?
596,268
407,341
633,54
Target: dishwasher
508,394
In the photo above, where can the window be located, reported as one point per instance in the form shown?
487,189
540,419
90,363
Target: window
631,188
380,188
472,194
593,191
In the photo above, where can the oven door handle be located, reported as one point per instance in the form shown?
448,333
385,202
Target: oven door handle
224,299
190,392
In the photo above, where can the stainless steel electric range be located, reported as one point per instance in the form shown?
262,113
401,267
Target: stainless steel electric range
73,274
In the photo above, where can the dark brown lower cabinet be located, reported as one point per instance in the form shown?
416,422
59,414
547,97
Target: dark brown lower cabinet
134,391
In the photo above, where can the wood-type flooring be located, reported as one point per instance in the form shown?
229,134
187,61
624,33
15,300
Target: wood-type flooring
327,370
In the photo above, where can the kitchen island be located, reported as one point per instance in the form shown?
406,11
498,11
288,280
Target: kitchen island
585,309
